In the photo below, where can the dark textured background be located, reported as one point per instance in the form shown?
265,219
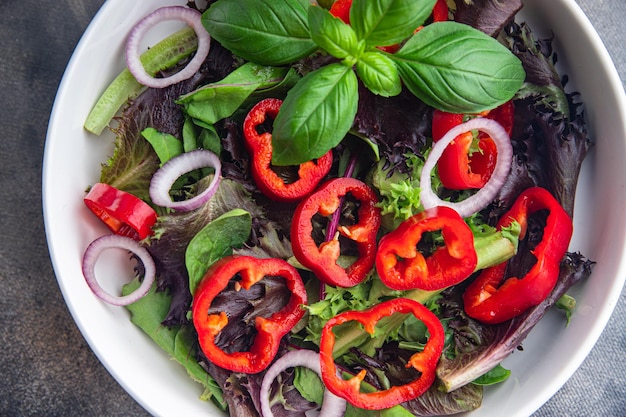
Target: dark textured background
46,367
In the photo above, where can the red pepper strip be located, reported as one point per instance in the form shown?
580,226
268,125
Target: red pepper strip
401,266
259,145
458,170
123,213
341,9
270,330
425,361
440,11
322,260
492,301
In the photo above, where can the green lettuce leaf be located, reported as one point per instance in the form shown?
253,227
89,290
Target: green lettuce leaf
178,341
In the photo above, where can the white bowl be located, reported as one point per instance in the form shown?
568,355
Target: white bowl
551,353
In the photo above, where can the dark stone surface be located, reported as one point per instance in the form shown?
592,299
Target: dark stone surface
46,367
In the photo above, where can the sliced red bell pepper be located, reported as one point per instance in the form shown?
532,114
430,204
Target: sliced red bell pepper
493,299
341,9
122,212
440,11
259,145
270,330
322,259
402,267
425,361
457,168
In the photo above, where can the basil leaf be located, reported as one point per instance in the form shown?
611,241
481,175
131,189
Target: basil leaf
387,22
379,74
216,240
458,69
267,32
316,115
332,34
221,99
165,145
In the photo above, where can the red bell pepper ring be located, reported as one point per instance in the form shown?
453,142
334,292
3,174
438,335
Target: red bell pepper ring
490,298
401,266
322,260
440,11
457,168
122,212
425,361
270,330
259,145
341,9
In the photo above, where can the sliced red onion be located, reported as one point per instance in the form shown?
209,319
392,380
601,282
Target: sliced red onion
103,243
189,16
332,405
164,178
487,193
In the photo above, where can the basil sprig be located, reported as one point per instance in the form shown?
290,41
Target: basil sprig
447,65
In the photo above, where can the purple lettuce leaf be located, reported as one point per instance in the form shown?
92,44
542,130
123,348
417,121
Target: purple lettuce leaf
134,161
499,341
398,125
488,16
550,137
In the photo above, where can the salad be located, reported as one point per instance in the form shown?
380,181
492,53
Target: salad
272,242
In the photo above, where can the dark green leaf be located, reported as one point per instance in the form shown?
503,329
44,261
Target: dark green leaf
221,99
210,140
165,145
458,69
267,32
495,376
216,240
200,135
387,22
190,135
316,115
379,74
332,34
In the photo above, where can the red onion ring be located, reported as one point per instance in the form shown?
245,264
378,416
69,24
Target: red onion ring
103,243
487,193
189,16
164,178
332,405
